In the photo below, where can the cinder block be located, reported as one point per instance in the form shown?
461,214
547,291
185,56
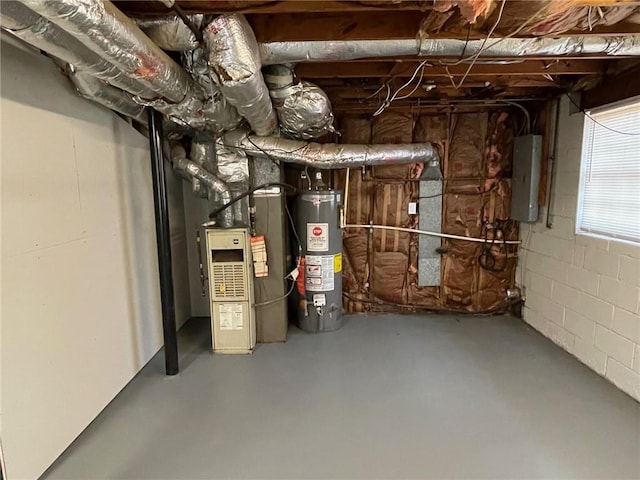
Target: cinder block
582,280
559,336
563,249
590,355
636,359
563,228
595,242
601,261
595,309
626,324
626,249
624,378
553,311
533,318
565,295
579,325
614,345
545,265
621,294
629,270
538,283
578,255
544,244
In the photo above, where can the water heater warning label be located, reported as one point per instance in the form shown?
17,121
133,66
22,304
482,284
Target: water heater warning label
317,237
231,316
319,273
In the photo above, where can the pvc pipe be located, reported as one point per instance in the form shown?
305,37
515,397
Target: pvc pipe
438,234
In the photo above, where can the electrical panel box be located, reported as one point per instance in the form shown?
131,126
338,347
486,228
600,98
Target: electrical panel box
527,151
230,269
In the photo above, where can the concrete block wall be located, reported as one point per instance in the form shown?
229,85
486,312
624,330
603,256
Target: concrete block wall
582,292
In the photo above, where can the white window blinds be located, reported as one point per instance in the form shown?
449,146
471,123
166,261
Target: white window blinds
609,202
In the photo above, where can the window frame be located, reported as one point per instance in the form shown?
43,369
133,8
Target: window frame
583,171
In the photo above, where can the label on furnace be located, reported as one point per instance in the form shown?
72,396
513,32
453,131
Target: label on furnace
319,273
317,237
231,316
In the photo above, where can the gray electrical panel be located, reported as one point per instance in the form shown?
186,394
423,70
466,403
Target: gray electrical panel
527,151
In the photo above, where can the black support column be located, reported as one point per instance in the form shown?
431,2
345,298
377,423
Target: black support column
163,238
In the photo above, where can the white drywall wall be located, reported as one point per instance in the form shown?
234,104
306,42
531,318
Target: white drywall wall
582,292
80,295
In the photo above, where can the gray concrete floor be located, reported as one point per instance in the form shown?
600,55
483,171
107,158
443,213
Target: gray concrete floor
385,397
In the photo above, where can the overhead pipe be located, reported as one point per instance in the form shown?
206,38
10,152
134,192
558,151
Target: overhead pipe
208,179
112,35
44,35
329,155
234,59
273,53
93,88
172,33
163,238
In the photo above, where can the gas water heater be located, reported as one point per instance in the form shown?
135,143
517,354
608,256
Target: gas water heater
319,283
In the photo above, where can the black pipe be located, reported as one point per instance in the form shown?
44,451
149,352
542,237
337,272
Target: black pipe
163,238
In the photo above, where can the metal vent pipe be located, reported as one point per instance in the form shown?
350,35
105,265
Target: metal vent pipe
319,51
330,155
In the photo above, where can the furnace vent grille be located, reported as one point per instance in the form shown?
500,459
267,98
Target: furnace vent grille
228,280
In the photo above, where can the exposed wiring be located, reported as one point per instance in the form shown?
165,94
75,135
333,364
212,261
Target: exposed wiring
433,234
187,21
217,211
391,98
524,110
293,227
278,299
632,134
475,58
487,258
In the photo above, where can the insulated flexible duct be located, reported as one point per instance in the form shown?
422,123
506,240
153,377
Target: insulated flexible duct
116,38
211,181
171,33
234,59
329,155
95,89
320,51
44,35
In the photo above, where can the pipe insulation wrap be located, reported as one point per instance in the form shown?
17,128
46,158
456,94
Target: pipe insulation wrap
44,35
330,155
232,165
309,51
116,38
171,33
212,182
304,111
234,59
93,88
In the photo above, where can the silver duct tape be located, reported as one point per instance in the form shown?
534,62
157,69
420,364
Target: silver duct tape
196,62
232,165
220,115
305,111
95,89
208,179
188,113
203,152
330,155
44,35
234,60
310,51
171,33
116,38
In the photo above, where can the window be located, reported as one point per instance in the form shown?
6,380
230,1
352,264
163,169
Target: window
609,198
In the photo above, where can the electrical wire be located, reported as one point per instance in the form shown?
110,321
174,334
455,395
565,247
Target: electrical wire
217,211
293,227
475,58
433,234
275,300
632,134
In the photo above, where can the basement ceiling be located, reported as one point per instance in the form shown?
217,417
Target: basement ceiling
363,85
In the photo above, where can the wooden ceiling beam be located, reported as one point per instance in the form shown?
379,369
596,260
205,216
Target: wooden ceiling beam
385,69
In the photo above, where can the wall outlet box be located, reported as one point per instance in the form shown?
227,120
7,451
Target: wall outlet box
413,208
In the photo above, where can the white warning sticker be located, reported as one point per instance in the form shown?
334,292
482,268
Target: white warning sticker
317,237
231,316
319,275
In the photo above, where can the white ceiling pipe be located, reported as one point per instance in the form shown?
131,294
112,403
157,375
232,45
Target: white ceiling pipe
321,51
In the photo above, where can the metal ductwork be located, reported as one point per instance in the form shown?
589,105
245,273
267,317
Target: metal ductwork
234,59
319,51
330,155
304,110
44,35
208,179
171,33
93,88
